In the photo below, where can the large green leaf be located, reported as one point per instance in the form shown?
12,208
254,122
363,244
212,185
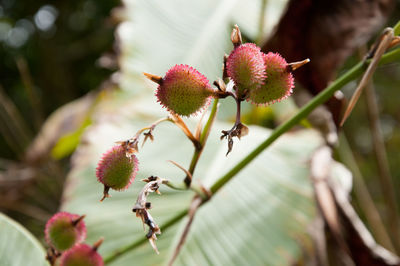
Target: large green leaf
261,217
18,247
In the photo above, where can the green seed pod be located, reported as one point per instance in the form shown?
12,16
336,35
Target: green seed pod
184,91
116,170
64,230
245,66
81,255
279,83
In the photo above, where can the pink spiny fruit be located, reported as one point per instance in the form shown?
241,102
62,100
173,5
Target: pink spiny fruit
116,170
184,90
64,230
279,83
81,255
245,66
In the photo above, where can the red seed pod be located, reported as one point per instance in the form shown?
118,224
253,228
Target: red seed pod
279,83
245,66
81,254
116,170
64,230
184,90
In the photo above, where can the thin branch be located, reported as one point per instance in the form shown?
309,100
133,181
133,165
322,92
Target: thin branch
143,240
385,177
188,174
181,124
33,96
151,127
322,97
377,52
12,125
363,196
207,128
202,142
131,145
196,203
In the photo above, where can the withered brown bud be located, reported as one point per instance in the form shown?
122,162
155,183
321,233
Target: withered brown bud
236,36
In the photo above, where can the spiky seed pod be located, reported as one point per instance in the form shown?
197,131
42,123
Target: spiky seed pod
184,90
81,255
279,83
64,230
116,170
245,66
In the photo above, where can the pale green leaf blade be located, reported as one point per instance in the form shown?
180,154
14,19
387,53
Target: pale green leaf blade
18,247
261,216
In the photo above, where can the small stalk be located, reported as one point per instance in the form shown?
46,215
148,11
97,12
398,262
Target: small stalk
202,141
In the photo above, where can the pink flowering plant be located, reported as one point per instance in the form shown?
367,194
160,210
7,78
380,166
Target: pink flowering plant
247,74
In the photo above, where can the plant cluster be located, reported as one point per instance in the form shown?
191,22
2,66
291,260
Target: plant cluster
247,74
65,233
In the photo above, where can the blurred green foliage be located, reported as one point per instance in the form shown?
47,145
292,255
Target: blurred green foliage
61,41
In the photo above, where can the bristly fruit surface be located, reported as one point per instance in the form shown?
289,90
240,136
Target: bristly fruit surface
116,170
184,90
62,231
279,83
81,255
245,66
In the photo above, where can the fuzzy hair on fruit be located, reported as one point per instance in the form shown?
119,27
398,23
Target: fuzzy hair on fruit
184,91
245,66
116,170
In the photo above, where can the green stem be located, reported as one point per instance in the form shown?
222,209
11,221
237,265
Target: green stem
203,138
182,186
177,186
207,127
303,113
142,240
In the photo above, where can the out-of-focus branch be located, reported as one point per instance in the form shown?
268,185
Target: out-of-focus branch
196,203
33,97
363,196
385,177
12,125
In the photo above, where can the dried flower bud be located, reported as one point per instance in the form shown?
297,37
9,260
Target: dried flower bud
279,82
184,90
81,254
64,230
116,170
245,66
236,36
